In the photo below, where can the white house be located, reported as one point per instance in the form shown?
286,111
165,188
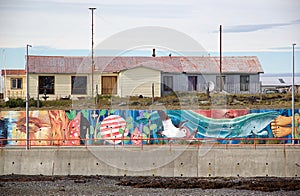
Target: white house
14,83
60,76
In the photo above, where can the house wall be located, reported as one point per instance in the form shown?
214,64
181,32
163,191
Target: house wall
134,82
14,93
62,86
254,84
232,84
180,81
138,81
33,85
208,78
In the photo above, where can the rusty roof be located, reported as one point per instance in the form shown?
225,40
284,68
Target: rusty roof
174,64
13,72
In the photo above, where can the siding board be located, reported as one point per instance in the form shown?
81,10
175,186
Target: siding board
138,81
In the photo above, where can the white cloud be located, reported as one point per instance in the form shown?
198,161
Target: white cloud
67,23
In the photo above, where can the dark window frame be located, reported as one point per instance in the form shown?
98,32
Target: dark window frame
168,82
16,83
80,83
192,86
244,82
46,85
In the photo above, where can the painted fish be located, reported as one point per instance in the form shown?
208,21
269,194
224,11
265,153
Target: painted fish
242,126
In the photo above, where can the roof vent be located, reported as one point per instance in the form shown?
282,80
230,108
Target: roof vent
153,52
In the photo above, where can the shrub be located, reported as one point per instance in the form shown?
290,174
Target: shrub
56,103
18,102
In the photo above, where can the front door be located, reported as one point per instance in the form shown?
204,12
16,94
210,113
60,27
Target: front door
109,85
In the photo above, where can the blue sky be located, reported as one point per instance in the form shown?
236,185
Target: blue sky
264,28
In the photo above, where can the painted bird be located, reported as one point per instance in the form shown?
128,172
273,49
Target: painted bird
170,130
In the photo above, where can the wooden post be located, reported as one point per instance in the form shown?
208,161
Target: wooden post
152,93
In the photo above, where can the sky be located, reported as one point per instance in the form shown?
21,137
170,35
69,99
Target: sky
263,28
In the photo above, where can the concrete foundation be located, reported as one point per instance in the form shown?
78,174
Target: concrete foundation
186,161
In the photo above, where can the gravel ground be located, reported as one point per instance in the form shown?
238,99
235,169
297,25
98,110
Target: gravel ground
104,185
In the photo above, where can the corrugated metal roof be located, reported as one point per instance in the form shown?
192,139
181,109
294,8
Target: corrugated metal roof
13,72
174,64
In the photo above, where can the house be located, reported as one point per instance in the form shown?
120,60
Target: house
280,81
14,83
60,76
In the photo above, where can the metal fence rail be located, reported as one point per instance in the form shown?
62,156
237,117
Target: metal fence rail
224,142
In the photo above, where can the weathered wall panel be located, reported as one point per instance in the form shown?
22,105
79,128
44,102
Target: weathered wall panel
138,81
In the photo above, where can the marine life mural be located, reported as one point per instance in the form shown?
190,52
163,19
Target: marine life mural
113,128
143,127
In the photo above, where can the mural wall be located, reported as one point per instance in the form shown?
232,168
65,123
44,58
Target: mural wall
137,127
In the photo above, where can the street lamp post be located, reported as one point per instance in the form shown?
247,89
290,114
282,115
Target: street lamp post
221,79
92,9
293,97
27,99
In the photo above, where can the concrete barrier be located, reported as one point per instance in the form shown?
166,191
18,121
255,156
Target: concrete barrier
186,161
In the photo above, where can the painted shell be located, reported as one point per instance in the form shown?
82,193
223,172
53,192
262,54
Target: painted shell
111,129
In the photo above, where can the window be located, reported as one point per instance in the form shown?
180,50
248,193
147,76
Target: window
78,85
16,83
46,84
244,80
168,83
192,86
218,82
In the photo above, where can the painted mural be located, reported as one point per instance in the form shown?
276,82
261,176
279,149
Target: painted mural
137,127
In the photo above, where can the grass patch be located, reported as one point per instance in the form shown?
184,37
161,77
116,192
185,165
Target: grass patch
175,100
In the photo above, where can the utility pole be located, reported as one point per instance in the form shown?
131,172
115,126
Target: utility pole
93,65
27,99
293,97
221,88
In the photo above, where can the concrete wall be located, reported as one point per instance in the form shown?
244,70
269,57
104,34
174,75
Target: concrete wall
170,160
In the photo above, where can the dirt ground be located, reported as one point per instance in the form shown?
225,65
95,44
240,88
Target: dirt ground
125,185
258,183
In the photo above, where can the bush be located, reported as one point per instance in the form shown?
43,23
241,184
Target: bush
33,103
18,102
56,103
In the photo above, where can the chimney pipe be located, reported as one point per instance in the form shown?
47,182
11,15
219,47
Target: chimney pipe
153,52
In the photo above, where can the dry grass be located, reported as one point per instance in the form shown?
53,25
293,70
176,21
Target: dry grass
174,101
